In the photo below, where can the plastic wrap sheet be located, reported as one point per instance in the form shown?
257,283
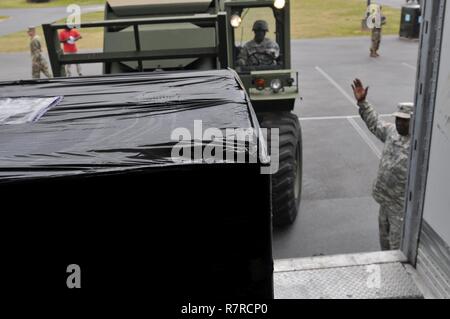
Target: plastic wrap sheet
122,122
25,109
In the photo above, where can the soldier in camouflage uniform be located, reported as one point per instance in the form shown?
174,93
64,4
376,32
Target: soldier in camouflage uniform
260,51
376,40
376,35
390,185
39,64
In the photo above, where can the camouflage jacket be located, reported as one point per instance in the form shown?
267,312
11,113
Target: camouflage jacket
256,54
35,48
389,187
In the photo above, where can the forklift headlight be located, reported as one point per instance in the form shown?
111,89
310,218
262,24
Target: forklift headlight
276,85
235,21
279,4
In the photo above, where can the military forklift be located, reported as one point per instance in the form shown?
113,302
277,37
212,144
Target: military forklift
192,35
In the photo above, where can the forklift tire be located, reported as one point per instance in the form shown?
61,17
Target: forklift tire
287,181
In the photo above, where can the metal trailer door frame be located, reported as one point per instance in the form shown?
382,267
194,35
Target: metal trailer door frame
433,14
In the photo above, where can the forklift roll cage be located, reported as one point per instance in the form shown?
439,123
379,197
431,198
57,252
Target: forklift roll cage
224,50
58,59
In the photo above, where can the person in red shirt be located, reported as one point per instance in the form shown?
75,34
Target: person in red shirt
68,37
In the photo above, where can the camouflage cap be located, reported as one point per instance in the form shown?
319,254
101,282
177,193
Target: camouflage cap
405,110
31,28
261,25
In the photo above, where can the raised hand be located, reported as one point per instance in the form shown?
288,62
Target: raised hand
359,91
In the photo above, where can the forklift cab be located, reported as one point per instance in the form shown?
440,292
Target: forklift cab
242,16
271,86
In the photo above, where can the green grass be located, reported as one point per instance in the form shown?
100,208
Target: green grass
3,18
19,41
335,18
309,19
4,4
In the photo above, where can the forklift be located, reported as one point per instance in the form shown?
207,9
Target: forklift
200,35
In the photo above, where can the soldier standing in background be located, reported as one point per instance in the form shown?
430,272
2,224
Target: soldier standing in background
376,40
377,21
39,64
390,186
260,51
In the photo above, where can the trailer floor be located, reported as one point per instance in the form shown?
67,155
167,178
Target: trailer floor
379,275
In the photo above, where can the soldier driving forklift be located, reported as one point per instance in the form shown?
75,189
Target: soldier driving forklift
154,35
261,50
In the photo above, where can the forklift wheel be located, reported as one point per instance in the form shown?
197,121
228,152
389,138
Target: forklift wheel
287,182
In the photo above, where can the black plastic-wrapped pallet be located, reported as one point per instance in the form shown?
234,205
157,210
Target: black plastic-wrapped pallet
93,183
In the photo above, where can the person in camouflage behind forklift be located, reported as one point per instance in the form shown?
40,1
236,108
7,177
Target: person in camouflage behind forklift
376,40
376,31
390,185
38,62
260,51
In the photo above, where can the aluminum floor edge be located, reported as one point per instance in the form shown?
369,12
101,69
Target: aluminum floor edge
379,275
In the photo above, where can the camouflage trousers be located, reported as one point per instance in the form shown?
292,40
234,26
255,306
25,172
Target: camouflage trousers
69,69
39,65
390,224
376,39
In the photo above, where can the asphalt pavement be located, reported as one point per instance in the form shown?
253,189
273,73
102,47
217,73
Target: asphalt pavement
338,214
